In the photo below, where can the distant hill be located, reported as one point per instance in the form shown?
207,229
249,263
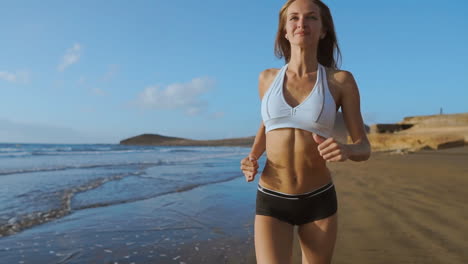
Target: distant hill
159,140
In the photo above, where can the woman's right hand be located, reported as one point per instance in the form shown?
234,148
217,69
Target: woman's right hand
249,167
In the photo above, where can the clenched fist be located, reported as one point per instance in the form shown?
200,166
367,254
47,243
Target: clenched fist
330,149
249,167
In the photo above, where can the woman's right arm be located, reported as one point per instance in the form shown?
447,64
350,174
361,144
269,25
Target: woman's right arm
249,164
259,144
264,80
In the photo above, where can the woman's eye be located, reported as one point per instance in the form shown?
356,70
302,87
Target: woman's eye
309,17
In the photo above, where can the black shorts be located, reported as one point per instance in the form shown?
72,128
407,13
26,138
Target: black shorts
297,209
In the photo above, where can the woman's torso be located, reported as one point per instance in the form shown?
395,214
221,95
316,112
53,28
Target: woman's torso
294,164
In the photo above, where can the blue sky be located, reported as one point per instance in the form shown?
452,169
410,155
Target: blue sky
103,71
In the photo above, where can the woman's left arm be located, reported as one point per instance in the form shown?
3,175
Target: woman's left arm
329,148
360,149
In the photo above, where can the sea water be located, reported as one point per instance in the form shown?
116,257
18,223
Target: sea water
43,182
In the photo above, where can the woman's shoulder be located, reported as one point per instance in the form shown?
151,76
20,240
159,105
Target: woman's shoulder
343,84
268,73
265,79
340,77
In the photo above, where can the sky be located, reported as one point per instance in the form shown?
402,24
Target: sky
103,71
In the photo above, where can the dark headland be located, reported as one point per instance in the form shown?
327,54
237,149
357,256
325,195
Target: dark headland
159,140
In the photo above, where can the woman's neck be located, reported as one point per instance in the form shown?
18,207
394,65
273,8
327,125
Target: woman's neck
303,61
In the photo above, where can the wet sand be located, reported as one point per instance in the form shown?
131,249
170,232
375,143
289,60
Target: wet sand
208,224
392,209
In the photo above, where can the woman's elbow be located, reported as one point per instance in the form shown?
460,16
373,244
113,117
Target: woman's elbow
367,151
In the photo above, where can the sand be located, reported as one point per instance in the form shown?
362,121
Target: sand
403,208
392,209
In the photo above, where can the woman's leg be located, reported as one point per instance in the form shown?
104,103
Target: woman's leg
273,240
318,239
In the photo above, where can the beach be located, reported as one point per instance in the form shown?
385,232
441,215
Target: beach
392,208
403,208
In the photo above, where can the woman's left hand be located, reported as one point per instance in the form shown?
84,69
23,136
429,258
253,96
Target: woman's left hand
330,149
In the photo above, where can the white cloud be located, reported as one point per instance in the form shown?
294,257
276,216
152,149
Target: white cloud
82,80
9,77
22,76
19,76
111,72
72,56
217,115
193,111
184,96
98,91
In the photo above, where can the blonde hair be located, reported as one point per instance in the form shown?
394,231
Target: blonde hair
328,53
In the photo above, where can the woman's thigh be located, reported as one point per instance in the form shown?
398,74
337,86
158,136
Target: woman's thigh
318,239
273,240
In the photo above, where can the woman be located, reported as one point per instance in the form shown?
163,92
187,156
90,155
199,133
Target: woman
299,105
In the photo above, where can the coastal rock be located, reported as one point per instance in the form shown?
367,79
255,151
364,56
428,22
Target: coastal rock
414,133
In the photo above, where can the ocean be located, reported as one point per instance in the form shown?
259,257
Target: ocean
43,182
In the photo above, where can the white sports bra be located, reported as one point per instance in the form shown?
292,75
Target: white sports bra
315,114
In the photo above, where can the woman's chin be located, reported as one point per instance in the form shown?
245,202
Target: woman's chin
302,44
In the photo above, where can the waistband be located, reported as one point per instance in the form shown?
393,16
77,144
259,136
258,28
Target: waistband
296,196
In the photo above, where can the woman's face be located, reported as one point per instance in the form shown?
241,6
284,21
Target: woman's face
303,23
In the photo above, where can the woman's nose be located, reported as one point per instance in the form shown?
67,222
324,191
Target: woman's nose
301,23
